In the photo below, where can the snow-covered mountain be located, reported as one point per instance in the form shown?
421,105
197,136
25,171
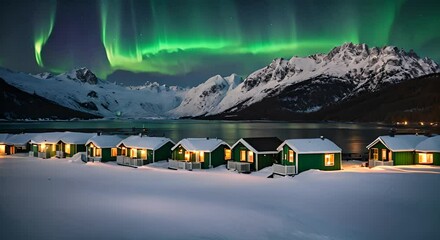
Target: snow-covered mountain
81,90
201,99
310,83
297,85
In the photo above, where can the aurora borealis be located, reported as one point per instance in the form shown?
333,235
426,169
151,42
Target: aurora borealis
185,41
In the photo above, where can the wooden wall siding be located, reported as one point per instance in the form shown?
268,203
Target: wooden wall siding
163,153
316,161
403,158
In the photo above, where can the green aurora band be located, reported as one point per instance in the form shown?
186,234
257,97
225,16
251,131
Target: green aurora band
173,37
177,43
45,16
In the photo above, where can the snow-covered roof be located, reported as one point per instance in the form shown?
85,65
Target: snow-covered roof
76,137
20,139
47,137
200,144
105,141
260,145
431,144
311,145
145,142
4,137
399,143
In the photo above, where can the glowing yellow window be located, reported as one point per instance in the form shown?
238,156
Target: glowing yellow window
114,152
143,154
250,156
42,147
291,156
390,156
384,154
202,157
425,158
329,160
2,149
67,148
228,154
98,152
133,153
242,155
375,154
187,156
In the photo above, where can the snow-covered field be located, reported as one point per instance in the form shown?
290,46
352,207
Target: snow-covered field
58,199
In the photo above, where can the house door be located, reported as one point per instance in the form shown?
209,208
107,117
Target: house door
11,150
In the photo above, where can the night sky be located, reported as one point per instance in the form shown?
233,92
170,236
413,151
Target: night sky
185,42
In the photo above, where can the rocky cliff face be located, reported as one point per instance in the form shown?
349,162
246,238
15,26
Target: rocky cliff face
310,83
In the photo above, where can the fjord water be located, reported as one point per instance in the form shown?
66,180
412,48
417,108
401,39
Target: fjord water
351,137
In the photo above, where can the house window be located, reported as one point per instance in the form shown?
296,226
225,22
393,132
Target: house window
375,153
187,156
2,149
98,152
242,155
250,156
384,154
329,160
291,156
202,157
133,153
228,154
123,151
143,154
67,148
425,158
42,147
390,156
114,152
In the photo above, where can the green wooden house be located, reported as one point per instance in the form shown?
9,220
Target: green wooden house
71,143
428,152
102,148
204,153
43,145
20,143
140,150
253,154
299,155
393,150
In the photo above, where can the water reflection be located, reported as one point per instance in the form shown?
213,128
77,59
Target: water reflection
351,137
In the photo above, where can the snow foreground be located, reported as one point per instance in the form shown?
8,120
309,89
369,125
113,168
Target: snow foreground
58,199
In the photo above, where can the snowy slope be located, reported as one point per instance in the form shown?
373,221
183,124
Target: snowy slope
81,90
56,199
201,99
350,68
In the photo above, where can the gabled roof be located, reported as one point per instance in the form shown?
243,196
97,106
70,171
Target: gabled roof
260,145
76,137
47,137
399,143
4,137
145,142
431,144
200,144
105,141
20,139
311,145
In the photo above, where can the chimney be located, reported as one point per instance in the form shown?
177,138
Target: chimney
392,132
